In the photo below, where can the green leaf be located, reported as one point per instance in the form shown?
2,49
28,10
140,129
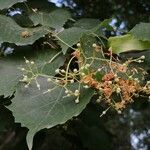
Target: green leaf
94,55
87,23
127,42
13,33
23,20
8,3
93,25
48,61
87,41
68,37
105,24
37,110
138,54
55,19
141,31
11,74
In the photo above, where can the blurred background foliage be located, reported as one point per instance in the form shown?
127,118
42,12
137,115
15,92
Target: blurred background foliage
128,131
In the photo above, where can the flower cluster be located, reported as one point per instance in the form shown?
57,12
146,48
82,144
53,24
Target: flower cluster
115,82
119,81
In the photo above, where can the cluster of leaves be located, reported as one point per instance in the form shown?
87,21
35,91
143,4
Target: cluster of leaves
55,83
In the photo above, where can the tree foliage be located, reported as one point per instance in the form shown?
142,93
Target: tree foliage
74,62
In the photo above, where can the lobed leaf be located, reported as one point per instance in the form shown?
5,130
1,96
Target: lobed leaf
11,32
11,74
37,110
55,19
